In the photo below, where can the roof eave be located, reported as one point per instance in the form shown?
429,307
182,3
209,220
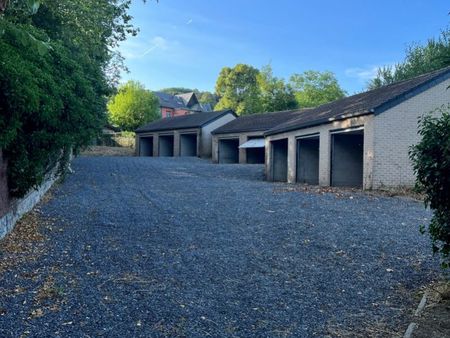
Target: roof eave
218,117
275,131
412,92
239,131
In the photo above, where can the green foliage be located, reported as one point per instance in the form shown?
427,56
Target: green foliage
434,55
130,134
238,89
313,88
276,95
178,90
53,85
431,163
207,97
133,106
248,90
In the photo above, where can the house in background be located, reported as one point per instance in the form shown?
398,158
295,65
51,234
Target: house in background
242,140
181,104
361,140
187,135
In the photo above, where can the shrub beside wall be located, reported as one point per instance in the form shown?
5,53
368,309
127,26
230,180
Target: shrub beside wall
431,163
120,139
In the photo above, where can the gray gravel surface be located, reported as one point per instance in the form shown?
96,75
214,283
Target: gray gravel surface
157,247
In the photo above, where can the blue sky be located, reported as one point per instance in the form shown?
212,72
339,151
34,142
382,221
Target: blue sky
185,43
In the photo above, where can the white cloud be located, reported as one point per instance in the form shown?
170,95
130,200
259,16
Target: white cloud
363,74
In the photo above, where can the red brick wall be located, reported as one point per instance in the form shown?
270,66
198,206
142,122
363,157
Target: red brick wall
166,112
169,112
4,196
180,112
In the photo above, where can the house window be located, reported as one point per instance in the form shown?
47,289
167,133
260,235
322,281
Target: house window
168,114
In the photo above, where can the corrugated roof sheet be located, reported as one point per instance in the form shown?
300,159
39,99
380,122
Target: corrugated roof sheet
253,143
373,101
258,122
184,122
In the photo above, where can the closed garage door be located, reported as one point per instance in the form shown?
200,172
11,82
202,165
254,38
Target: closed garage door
229,151
347,155
188,145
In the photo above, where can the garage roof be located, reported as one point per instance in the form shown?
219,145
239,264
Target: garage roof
371,102
257,122
196,120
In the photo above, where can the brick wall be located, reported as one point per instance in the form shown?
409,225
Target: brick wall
395,130
166,112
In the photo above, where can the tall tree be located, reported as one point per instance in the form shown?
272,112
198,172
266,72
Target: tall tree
419,59
276,95
133,106
313,88
53,80
237,89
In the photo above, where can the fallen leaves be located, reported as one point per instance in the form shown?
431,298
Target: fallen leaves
24,243
36,313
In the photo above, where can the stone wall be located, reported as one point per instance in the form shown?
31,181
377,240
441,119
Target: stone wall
4,196
11,210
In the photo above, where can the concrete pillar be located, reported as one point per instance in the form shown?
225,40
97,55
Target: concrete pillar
215,149
156,144
368,154
268,165
324,158
176,143
136,145
199,143
242,152
291,159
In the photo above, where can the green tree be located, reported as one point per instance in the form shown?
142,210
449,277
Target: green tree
178,90
276,95
53,80
237,89
207,97
133,106
419,59
431,163
313,88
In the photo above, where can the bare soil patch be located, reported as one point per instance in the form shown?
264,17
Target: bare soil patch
434,321
107,151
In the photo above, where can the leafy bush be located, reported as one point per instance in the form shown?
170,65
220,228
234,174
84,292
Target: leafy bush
431,163
54,56
44,112
133,106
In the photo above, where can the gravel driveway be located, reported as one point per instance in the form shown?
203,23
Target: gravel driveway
151,247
